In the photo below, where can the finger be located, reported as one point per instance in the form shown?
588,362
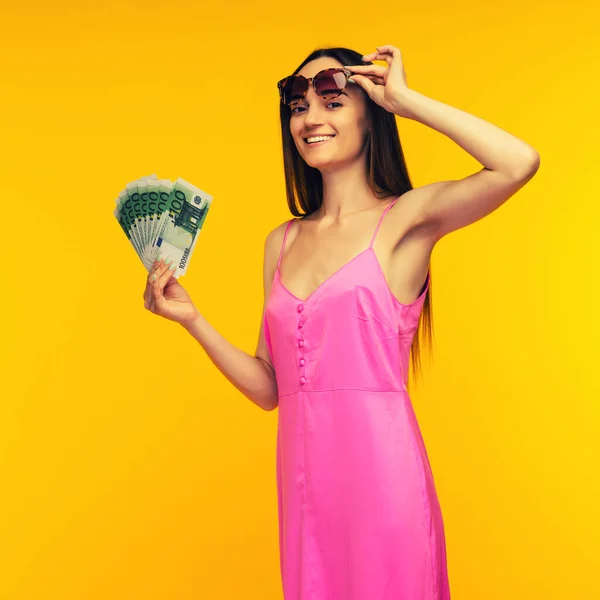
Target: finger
164,267
375,80
387,48
167,274
157,263
365,83
387,53
381,56
372,76
156,300
148,291
160,266
376,70
153,276
150,281
155,280
393,58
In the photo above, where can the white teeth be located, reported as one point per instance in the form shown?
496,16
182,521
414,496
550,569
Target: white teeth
320,138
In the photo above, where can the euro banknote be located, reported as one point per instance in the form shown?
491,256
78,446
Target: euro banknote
161,217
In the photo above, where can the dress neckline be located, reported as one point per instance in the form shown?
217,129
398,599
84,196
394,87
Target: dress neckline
344,266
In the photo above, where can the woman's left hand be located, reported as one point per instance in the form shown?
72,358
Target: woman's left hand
385,86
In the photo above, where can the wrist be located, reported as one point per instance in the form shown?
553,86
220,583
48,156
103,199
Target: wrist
405,103
192,321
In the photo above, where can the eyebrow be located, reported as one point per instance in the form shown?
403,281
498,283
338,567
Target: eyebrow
304,99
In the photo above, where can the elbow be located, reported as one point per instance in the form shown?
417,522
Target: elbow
270,405
529,167
269,396
535,163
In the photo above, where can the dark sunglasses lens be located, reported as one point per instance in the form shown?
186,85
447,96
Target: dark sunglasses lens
293,88
330,82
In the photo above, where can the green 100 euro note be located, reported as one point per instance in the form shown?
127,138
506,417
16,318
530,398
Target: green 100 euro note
162,217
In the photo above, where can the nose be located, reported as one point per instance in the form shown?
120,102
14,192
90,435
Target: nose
313,115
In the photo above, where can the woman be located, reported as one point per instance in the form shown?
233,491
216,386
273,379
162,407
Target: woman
345,287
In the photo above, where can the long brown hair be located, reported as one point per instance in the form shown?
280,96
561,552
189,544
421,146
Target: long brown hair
388,175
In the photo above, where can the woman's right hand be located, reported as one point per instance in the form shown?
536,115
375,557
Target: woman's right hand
166,297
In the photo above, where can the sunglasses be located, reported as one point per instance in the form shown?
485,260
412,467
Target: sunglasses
328,83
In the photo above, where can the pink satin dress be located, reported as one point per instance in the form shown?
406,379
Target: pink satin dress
359,517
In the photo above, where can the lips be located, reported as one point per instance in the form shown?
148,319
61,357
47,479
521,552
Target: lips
328,138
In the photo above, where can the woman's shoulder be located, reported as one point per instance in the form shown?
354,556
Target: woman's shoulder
279,230
274,238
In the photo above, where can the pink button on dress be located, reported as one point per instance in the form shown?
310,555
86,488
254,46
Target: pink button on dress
359,517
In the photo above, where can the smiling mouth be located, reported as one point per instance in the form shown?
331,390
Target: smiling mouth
318,140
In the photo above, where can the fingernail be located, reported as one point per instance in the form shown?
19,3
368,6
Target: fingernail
172,267
159,258
153,278
168,261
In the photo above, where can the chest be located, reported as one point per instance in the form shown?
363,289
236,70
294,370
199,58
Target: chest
403,266
310,265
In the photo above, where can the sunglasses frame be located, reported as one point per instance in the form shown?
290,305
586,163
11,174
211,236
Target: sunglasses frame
310,80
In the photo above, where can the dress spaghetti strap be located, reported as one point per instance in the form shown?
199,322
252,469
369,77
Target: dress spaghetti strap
381,220
287,228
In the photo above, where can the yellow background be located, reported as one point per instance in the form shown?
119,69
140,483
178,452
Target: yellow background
129,466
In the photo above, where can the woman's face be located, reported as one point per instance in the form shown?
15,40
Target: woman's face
344,117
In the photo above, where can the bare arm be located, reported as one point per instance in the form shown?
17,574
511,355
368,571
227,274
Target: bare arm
254,376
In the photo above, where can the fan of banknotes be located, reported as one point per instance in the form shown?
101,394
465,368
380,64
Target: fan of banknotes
162,217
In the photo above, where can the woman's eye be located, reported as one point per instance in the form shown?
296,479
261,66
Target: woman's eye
330,104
